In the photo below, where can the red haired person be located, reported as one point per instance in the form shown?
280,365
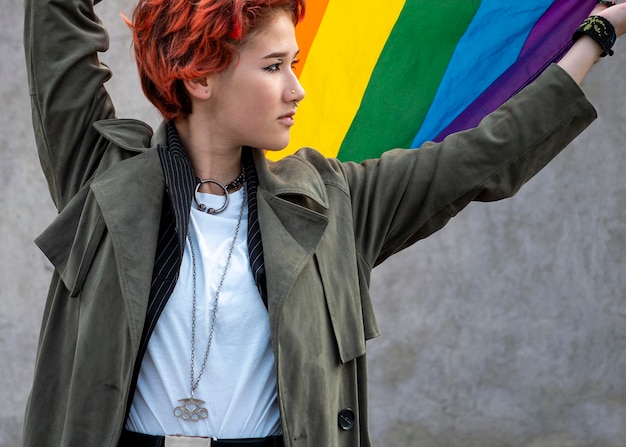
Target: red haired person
202,295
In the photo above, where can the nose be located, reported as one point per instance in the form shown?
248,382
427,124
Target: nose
296,92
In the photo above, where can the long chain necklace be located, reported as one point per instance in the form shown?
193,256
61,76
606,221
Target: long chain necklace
191,409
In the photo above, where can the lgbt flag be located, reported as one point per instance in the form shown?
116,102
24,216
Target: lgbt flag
380,75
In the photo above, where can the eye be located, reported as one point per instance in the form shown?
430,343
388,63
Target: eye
294,63
274,67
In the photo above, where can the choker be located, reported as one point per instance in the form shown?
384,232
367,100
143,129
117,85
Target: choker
233,186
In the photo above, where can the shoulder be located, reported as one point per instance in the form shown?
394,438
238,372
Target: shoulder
306,172
309,161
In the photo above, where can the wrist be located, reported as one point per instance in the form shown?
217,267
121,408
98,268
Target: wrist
600,30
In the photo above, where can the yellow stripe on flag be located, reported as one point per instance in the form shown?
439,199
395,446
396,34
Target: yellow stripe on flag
337,70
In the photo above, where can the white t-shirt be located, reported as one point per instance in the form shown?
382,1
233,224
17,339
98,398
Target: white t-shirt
239,381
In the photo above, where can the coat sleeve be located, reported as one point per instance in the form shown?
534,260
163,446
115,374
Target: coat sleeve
61,41
407,195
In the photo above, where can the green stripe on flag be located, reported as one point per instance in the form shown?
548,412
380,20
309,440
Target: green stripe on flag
406,76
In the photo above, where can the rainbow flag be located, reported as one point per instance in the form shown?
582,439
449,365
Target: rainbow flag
380,75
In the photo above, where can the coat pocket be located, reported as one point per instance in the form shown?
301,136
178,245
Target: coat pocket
71,240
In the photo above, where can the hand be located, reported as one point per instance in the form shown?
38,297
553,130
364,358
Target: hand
615,14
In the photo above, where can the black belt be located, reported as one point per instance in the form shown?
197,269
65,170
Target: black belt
132,439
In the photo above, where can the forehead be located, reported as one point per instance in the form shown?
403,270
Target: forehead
276,35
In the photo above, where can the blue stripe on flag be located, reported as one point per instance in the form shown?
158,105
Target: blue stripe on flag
498,33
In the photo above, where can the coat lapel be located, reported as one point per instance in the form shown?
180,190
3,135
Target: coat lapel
136,183
290,229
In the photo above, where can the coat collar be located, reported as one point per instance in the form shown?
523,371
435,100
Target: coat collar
292,202
291,176
131,135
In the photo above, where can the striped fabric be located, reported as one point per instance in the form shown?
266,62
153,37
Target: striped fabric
390,74
255,245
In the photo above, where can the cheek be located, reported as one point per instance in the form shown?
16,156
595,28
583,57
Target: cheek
261,110
264,98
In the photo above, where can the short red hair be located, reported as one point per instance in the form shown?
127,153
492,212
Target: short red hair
176,40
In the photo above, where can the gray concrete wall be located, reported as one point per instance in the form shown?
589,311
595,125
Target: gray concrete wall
507,328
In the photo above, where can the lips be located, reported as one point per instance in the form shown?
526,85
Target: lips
287,119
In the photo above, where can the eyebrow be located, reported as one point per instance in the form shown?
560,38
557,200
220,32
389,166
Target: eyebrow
279,55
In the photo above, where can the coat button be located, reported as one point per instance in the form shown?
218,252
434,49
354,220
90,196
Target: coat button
346,419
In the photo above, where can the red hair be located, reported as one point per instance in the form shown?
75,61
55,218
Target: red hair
176,40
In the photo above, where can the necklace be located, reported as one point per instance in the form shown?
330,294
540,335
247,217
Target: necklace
227,189
191,409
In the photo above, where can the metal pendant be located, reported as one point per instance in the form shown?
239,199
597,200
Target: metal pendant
202,206
191,410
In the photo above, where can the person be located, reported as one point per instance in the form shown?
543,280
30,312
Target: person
201,294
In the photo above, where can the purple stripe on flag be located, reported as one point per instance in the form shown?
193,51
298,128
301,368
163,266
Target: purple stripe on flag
549,39
558,24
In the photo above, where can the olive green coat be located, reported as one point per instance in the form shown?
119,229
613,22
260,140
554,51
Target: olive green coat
324,226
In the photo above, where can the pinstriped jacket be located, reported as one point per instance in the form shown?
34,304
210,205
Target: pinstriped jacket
323,224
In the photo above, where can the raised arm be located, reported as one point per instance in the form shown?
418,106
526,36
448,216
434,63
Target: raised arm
61,40
407,195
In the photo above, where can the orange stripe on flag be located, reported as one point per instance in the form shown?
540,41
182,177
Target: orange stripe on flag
307,29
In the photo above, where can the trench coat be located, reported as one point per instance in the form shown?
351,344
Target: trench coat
324,226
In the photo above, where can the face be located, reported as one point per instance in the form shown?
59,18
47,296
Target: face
253,101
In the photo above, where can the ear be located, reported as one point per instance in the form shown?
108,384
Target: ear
199,88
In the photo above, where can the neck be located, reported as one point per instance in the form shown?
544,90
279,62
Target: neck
209,159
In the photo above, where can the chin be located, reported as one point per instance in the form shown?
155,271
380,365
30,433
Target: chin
275,146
